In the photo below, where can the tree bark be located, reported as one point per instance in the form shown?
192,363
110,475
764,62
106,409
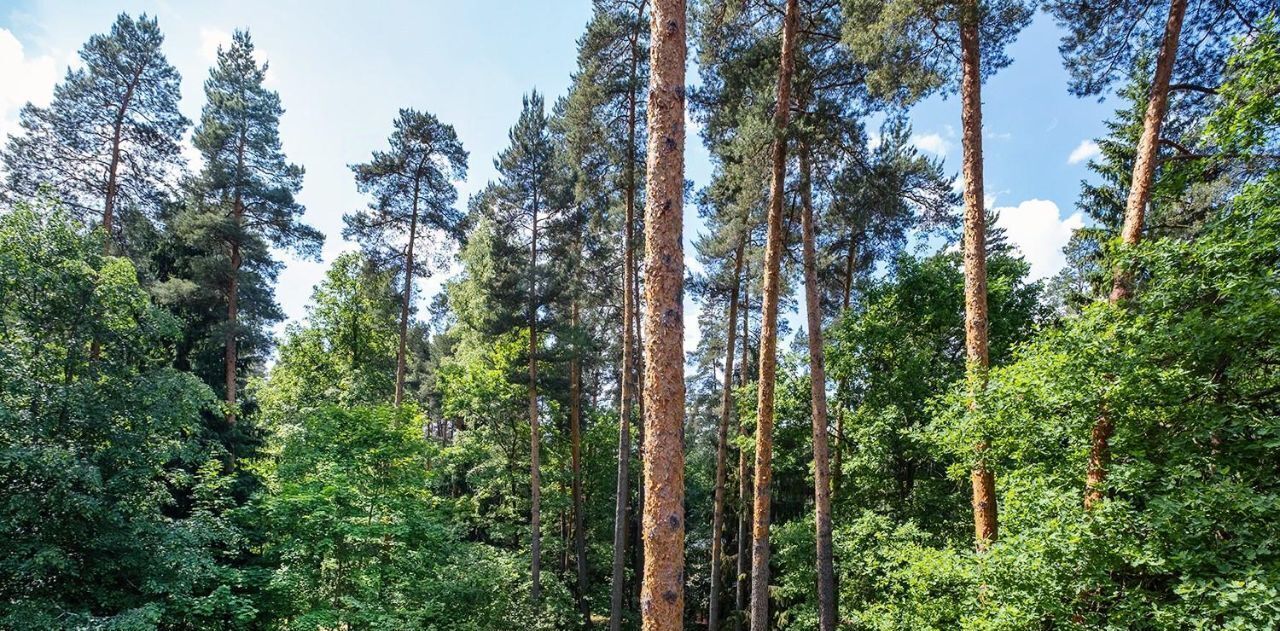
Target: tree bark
535,490
575,441
818,391
837,455
774,244
975,263
1144,163
1144,168
407,298
722,438
744,470
662,592
626,383
231,355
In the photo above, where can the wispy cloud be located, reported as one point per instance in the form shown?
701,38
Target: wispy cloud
1084,151
932,143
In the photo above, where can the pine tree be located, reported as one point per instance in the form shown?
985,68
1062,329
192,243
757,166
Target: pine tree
246,190
108,144
414,196
528,198
909,46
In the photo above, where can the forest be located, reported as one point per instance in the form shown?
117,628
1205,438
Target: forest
885,423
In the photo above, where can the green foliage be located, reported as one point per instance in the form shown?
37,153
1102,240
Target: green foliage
116,510
345,355
359,539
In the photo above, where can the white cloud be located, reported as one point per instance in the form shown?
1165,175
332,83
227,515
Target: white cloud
22,79
1085,150
1039,231
932,143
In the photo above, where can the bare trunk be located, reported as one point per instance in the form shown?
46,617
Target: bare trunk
975,263
818,392
662,591
722,438
774,244
837,455
535,490
407,299
575,442
1144,169
626,387
744,470
233,311
1144,163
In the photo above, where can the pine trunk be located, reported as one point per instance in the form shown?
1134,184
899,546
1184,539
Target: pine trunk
722,439
407,298
575,443
975,263
1144,169
535,490
662,592
626,380
743,578
774,244
818,392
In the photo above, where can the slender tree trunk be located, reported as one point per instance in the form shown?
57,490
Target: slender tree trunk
113,186
722,447
638,358
1144,163
743,591
662,593
818,391
837,456
233,312
626,387
407,298
535,490
975,263
575,442
1144,168
774,244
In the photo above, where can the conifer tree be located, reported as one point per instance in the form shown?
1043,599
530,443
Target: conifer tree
108,144
528,197
414,196
246,205
910,47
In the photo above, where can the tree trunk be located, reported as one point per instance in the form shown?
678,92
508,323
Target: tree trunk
837,455
1144,168
233,312
407,299
722,438
744,470
818,392
575,442
975,263
774,244
535,490
662,591
1144,163
625,387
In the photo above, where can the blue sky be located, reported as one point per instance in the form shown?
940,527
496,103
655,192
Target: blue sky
343,69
